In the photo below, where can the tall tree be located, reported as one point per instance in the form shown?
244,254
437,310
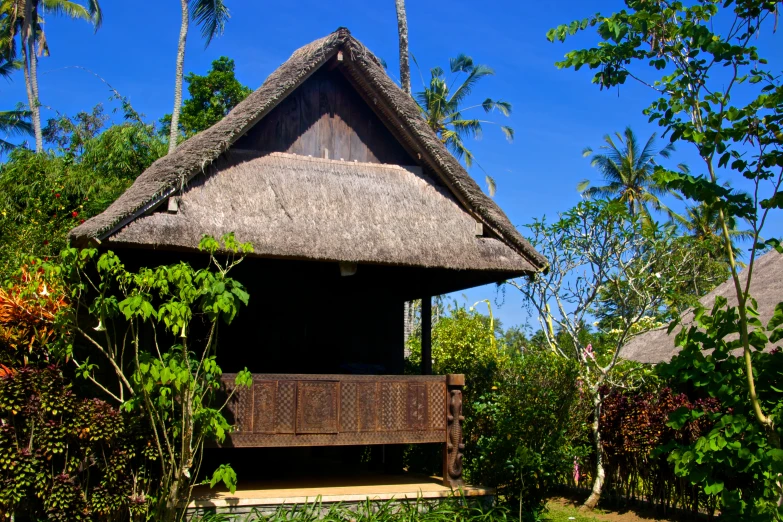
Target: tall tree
711,88
211,98
443,107
211,15
402,30
25,18
628,172
607,264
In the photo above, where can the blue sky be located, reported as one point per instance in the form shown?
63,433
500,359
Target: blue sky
555,113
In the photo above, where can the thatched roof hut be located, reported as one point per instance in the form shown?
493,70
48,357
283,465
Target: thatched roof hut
766,287
353,206
327,160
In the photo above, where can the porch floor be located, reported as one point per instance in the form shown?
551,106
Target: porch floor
331,489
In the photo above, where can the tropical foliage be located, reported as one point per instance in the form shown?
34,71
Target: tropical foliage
738,461
608,263
43,196
211,98
13,123
24,18
531,427
444,101
733,122
526,413
627,168
64,455
172,382
453,509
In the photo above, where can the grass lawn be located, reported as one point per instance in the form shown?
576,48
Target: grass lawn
564,510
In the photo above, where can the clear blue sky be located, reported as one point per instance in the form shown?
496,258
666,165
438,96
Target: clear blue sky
556,113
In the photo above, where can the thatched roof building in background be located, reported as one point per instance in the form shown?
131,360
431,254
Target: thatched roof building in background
766,287
430,213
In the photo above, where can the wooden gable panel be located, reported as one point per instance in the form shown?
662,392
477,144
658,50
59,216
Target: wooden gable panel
326,113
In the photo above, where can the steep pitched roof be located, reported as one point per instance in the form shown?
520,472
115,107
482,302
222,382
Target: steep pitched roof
766,288
170,174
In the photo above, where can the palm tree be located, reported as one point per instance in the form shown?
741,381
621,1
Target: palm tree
13,123
702,222
442,107
627,169
25,18
211,15
402,30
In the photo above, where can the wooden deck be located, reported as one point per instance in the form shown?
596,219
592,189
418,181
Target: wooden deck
266,496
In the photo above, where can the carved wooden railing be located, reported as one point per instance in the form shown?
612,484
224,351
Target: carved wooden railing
338,410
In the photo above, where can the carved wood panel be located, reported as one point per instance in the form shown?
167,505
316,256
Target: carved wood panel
264,398
316,407
308,410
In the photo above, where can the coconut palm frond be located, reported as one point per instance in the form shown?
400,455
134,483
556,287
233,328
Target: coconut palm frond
466,128
609,167
211,15
8,68
6,146
466,87
599,192
503,107
508,132
454,143
65,8
15,122
42,44
492,187
460,63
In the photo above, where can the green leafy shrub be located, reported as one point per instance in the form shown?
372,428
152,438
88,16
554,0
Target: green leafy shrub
68,458
151,348
463,342
525,410
532,426
737,462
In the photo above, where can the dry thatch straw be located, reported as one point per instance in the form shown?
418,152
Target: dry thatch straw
766,288
385,236
327,210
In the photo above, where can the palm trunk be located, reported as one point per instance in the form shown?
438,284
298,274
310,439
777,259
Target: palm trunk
31,71
402,29
183,36
600,473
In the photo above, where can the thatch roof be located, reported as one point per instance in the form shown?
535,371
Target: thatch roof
174,174
766,287
327,210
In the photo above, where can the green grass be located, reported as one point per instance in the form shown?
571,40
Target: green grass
390,511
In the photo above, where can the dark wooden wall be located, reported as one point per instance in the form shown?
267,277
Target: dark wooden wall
326,112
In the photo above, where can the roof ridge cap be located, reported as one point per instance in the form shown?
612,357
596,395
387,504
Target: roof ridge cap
313,159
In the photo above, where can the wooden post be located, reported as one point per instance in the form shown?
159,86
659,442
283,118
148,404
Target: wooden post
452,451
426,335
